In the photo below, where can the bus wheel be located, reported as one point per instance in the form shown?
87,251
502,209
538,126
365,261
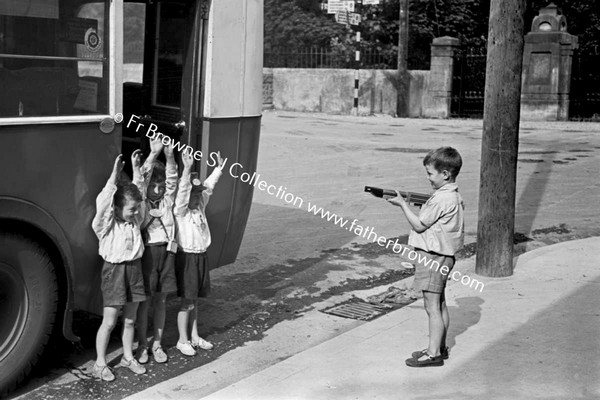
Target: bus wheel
28,301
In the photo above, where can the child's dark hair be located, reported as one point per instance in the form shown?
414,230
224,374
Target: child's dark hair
127,190
158,172
444,158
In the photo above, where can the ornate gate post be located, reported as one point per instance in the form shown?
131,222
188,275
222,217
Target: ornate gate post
547,67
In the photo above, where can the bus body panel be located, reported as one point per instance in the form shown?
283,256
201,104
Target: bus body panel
77,161
227,211
234,59
232,108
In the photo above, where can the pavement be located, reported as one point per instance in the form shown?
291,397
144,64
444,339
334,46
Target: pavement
533,335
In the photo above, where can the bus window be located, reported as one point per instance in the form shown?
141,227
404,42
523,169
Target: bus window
134,24
171,39
53,58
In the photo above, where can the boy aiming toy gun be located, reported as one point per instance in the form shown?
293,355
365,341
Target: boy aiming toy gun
416,199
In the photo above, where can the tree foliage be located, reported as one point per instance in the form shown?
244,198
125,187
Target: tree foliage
302,23
293,24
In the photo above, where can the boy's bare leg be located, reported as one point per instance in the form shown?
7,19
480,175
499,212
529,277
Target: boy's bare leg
445,318
109,320
182,320
129,314
142,323
159,304
436,322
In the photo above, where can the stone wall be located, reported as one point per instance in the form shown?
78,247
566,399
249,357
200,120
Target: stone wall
332,91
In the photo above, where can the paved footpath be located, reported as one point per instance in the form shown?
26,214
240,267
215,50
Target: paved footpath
532,335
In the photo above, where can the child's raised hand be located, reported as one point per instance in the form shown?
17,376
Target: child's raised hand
220,161
397,201
168,150
136,158
118,165
156,146
187,160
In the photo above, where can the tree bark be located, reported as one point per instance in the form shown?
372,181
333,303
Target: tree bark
500,144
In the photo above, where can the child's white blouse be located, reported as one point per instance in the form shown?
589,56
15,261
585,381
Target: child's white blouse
193,234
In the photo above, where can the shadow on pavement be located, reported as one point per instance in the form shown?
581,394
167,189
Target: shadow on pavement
528,204
463,317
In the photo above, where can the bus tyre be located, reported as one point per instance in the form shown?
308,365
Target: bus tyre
28,301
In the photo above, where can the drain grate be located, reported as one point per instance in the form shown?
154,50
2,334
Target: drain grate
360,310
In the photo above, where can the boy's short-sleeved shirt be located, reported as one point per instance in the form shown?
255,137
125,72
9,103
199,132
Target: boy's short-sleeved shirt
443,216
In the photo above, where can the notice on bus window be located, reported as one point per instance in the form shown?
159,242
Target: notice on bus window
74,29
87,98
31,8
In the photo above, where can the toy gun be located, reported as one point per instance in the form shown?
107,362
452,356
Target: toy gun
416,199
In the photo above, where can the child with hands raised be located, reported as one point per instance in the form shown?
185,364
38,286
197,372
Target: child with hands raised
158,260
193,238
117,222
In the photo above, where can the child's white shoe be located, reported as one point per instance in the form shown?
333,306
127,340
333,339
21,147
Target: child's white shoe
203,344
186,349
142,355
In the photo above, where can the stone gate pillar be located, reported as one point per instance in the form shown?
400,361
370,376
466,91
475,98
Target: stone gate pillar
547,67
439,93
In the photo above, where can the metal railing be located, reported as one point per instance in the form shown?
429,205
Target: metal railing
320,57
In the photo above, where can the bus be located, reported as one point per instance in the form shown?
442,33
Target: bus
81,81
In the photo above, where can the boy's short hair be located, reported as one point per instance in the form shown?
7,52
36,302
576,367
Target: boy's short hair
127,190
158,172
444,158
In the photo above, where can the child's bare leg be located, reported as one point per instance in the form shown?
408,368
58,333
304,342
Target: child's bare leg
142,323
109,320
197,340
182,319
159,304
436,322
445,318
129,314
194,322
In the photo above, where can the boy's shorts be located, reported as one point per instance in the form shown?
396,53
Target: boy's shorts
122,283
428,274
193,279
158,267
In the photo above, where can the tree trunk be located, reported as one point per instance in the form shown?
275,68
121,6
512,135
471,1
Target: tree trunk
500,143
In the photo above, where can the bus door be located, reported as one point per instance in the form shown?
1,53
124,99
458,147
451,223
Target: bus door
162,93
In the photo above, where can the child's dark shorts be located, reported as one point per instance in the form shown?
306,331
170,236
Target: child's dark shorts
193,279
158,267
122,283
428,272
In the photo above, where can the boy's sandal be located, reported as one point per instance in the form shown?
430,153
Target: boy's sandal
425,361
444,351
